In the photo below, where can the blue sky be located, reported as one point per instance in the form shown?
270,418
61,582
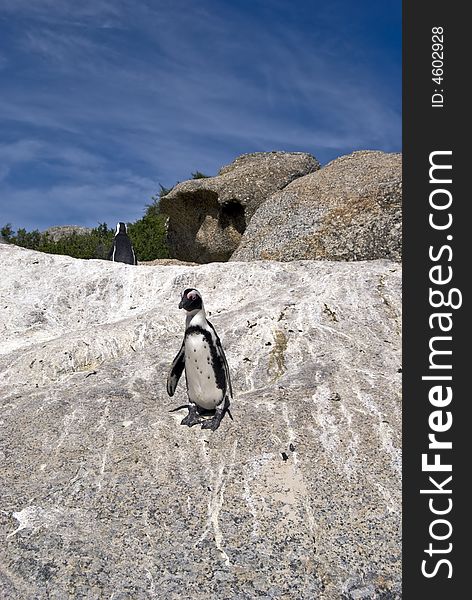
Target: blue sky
102,100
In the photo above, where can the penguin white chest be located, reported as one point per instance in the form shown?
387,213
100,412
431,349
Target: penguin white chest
201,381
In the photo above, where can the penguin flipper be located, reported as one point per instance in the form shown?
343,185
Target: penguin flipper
221,353
176,371
228,378
225,366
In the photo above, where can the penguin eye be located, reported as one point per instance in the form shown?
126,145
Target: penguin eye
191,296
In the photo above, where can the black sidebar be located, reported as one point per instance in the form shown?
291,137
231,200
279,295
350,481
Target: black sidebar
437,425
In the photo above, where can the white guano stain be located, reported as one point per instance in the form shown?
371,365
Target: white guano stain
290,431
110,438
215,503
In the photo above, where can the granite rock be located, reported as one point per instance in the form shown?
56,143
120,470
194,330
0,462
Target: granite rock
348,210
105,495
166,261
58,232
208,216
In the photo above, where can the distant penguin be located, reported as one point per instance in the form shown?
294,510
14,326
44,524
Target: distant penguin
122,249
206,369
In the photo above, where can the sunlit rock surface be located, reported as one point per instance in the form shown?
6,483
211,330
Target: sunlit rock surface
208,216
60,231
351,209
105,495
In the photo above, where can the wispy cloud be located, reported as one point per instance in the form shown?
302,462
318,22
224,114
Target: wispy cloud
62,11
24,152
62,48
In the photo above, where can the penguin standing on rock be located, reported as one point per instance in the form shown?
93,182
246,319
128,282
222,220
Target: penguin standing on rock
206,368
122,249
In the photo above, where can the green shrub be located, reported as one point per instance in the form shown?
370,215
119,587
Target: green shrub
6,232
86,245
148,235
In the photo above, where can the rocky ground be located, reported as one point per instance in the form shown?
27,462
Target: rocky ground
61,231
105,495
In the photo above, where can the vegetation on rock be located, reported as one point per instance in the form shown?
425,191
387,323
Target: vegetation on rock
147,234
87,245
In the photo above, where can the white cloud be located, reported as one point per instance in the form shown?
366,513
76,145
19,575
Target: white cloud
40,151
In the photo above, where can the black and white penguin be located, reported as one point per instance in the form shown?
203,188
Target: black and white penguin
206,368
122,249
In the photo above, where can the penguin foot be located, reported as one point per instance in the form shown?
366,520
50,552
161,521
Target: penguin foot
192,418
214,423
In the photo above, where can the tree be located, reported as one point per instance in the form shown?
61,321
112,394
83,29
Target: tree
7,232
163,191
148,236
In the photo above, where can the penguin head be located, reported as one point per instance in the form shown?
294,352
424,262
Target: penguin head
191,300
121,228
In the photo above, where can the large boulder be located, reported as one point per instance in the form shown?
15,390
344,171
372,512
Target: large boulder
104,494
208,216
348,210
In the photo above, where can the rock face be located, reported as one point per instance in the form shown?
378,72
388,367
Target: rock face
207,217
165,261
60,231
104,494
348,210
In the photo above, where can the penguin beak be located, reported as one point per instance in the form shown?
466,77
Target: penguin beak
181,304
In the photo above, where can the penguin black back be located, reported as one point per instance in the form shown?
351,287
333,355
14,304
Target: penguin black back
122,248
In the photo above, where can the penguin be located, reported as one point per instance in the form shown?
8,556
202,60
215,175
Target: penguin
122,249
206,369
